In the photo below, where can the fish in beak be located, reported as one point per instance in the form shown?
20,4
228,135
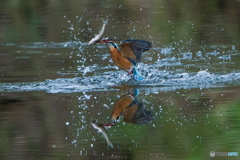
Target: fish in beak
101,128
104,41
98,37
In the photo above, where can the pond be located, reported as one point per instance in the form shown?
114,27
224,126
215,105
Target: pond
55,90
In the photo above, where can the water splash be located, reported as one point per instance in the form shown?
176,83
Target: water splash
167,71
153,78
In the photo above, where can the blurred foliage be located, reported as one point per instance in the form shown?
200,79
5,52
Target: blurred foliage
165,21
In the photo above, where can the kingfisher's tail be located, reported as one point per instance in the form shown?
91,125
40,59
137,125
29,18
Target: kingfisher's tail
136,75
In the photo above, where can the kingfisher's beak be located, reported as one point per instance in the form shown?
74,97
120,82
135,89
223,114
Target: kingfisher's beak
104,41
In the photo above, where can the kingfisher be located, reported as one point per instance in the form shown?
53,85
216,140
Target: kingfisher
131,109
129,55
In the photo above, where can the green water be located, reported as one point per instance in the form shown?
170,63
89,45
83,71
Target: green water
52,85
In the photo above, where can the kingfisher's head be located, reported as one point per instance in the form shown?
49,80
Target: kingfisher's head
110,43
116,117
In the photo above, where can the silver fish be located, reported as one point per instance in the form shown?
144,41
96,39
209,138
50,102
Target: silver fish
102,129
98,37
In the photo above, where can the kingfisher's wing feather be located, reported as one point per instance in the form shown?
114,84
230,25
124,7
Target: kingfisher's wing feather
126,50
140,115
133,48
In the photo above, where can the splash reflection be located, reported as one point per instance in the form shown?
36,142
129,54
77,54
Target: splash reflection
130,108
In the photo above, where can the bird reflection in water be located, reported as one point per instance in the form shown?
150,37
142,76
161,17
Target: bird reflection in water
130,108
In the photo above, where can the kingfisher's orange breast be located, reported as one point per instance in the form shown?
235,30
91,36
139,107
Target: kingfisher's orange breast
120,104
119,60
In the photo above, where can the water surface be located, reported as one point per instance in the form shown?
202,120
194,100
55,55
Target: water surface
52,84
